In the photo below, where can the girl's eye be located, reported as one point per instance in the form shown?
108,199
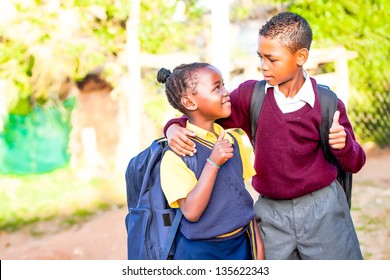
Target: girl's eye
219,87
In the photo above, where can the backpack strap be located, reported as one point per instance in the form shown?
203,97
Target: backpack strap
257,98
328,102
192,164
172,234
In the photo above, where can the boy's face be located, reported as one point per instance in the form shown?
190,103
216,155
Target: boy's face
277,63
212,99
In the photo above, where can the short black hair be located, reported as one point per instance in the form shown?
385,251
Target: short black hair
289,29
184,77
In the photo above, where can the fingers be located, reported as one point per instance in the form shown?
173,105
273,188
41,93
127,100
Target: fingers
179,141
337,135
338,146
225,149
176,130
337,140
182,147
222,151
221,136
336,117
223,145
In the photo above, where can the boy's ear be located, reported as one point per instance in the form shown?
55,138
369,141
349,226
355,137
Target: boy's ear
189,103
302,56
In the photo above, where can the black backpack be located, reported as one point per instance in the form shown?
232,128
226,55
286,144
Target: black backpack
328,100
150,223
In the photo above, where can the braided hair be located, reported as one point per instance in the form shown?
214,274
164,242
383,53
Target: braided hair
181,81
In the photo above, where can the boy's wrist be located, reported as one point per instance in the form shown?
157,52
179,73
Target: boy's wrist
179,121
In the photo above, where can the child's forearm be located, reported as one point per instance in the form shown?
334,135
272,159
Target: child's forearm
197,200
180,121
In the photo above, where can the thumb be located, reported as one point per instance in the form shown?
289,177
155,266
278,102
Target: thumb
336,117
221,136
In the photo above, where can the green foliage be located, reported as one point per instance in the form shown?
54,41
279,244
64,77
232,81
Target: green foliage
44,44
361,26
249,9
160,34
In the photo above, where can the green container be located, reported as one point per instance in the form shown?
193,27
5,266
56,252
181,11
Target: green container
36,142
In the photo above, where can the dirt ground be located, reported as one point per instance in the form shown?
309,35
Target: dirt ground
103,236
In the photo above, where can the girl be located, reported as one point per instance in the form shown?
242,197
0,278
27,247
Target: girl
218,210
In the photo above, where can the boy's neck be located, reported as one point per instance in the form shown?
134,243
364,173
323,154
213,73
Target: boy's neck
291,88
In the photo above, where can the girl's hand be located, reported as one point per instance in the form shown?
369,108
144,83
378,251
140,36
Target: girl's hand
222,150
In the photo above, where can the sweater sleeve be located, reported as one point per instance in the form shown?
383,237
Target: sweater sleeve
352,157
240,99
180,121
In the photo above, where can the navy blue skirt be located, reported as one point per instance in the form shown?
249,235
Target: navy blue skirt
237,248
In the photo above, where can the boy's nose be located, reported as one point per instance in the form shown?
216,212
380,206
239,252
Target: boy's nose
263,66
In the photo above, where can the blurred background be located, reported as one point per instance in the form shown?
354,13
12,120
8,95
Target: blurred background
79,96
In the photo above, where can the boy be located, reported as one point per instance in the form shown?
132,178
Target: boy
218,211
302,210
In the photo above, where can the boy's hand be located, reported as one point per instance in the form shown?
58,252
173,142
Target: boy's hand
179,142
337,135
222,150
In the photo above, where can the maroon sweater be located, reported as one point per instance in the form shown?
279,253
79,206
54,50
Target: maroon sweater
288,158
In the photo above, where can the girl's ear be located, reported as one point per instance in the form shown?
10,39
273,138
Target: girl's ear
302,56
189,103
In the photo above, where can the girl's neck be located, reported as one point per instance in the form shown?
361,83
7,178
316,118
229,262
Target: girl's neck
206,125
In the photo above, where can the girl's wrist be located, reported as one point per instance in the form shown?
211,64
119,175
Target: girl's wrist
213,163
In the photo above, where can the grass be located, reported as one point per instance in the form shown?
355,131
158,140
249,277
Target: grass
62,193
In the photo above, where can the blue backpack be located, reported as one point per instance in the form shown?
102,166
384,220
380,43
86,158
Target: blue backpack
329,101
151,224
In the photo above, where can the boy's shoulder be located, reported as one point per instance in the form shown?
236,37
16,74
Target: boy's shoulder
246,85
243,92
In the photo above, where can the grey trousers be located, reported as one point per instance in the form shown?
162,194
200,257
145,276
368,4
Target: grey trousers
317,226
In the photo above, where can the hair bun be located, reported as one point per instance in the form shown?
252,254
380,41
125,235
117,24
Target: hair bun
163,75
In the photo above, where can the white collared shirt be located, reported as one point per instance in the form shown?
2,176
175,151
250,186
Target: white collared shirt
303,96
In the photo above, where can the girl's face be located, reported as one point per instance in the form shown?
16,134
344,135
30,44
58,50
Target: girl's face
278,64
212,99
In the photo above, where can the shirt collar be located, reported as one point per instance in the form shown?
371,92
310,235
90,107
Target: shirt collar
207,135
305,93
